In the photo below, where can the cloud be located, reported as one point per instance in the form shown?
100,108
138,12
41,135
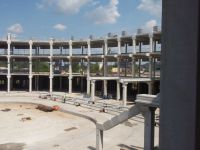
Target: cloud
64,6
149,25
15,28
107,14
154,7
59,27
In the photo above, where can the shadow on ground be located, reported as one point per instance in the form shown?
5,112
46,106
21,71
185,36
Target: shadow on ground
12,146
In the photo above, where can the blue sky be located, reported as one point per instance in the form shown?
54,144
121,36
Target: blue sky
61,19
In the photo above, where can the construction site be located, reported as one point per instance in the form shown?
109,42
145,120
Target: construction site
112,67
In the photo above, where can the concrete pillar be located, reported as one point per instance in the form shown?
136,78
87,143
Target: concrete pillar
70,84
149,122
70,75
106,47
8,62
30,75
180,76
88,77
150,87
70,48
118,90
105,90
134,45
105,66
92,90
119,45
133,67
51,76
150,67
125,94
51,47
99,139
118,67
51,84
89,47
150,43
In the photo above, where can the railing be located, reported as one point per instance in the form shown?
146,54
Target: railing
145,104
3,51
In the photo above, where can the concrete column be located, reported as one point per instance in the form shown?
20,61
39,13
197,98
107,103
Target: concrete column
99,139
51,84
118,90
88,77
51,76
70,75
133,67
134,45
125,94
119,45
30,75
150,43
92,90
105,90
70,84
118,67
8,62
150,67
106,46
150,87
149,121
89,47
70,48
105,66
51,47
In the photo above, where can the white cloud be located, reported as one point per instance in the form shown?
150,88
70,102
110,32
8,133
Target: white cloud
59,27
154,7
149,25
107,14
64,6
15,28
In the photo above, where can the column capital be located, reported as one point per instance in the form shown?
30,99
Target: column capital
51,77
93,81
105,40
70,77
51,41
30,76
8,76
119,39
125,84
30,42
134,38
88,41
150,35
70,42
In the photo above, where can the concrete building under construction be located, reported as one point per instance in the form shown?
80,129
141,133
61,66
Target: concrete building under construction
117,67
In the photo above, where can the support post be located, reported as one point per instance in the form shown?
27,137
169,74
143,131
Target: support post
88,77
119,45
150,87
133,67
105,92
106,46
118,67
150,67
70,76
8,62
70,48
51,76
134,45
151,43
118,90
99,139
92,90
89,47
125,94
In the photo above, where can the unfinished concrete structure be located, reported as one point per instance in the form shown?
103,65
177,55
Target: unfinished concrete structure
115,67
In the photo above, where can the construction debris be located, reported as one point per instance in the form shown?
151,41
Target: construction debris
25,119
45,108
6,110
